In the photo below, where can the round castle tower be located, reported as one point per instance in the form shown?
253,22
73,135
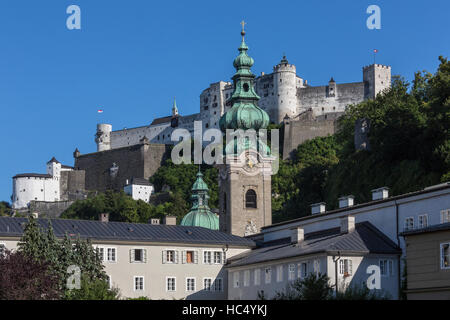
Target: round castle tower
103,137
285,85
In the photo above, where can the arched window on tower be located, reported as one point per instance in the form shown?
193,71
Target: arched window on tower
250,199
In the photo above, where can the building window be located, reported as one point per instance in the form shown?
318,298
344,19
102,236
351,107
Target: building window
246,278
111,255
257,276
268,275
190,284
279,273
386,268
304,268
207,257
191,257
138,283
423,221
445,255
316,267
101,253
345,267
250,199
236,279
218,284
171,284
445,216
138,255
291,272
217,257
409,223
207,284
170,256
108,279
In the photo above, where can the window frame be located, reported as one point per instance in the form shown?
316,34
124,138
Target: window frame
246,280
291,272
257,277
446,213
441,255
218,280
267,275
134,283
247,203
187,284
389,267
280,273
422,225
174,283
210,288
406,224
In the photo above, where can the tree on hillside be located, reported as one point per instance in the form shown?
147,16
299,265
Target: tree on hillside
5,208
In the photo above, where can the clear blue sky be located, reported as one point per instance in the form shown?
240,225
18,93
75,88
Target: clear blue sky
131,57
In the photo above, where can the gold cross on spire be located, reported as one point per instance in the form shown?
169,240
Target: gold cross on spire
243,23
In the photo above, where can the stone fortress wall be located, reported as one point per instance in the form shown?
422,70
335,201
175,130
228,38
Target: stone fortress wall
284,95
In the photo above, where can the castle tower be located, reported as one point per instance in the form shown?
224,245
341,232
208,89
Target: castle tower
174,108
200,214
103,137
245,176
54,168
285,87
376,77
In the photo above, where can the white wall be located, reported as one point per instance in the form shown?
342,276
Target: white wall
139,192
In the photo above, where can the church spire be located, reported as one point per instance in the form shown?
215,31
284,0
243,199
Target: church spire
174,107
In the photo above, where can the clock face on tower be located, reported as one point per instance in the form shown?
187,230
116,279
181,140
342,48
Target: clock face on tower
251,163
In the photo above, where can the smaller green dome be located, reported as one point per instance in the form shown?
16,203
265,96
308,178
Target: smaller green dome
243,60
244,116
201,218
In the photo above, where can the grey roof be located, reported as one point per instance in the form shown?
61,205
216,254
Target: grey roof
429,189
140,182
123,231
53,160
161,120
434,228
365,239
32,175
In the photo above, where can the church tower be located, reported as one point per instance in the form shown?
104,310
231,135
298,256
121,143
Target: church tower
245,177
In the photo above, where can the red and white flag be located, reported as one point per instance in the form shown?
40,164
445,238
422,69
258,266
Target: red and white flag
375,50
100,110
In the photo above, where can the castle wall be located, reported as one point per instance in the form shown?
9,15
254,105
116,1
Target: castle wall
139,161
49,210
298,131
321,101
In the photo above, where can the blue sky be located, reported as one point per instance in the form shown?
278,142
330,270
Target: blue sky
131,58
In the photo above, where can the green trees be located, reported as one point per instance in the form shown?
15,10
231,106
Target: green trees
410,149
5,208
43,248
313,287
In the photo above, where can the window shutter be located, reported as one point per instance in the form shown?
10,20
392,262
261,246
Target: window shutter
350,268
195,256
144,253
131,255
184,256
223,258
164,256
176,256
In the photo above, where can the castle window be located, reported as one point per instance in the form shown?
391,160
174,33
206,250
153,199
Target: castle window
250,199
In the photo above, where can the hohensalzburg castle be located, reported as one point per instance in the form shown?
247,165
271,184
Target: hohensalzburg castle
283,95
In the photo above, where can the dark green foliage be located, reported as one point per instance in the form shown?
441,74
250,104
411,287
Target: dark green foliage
313,287
5,208
120,206
361,292
93,290
180,179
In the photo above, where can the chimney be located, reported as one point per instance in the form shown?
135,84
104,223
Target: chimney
318,208
346,201
170,220
154,221
103,217
297,235
380,193
347,224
